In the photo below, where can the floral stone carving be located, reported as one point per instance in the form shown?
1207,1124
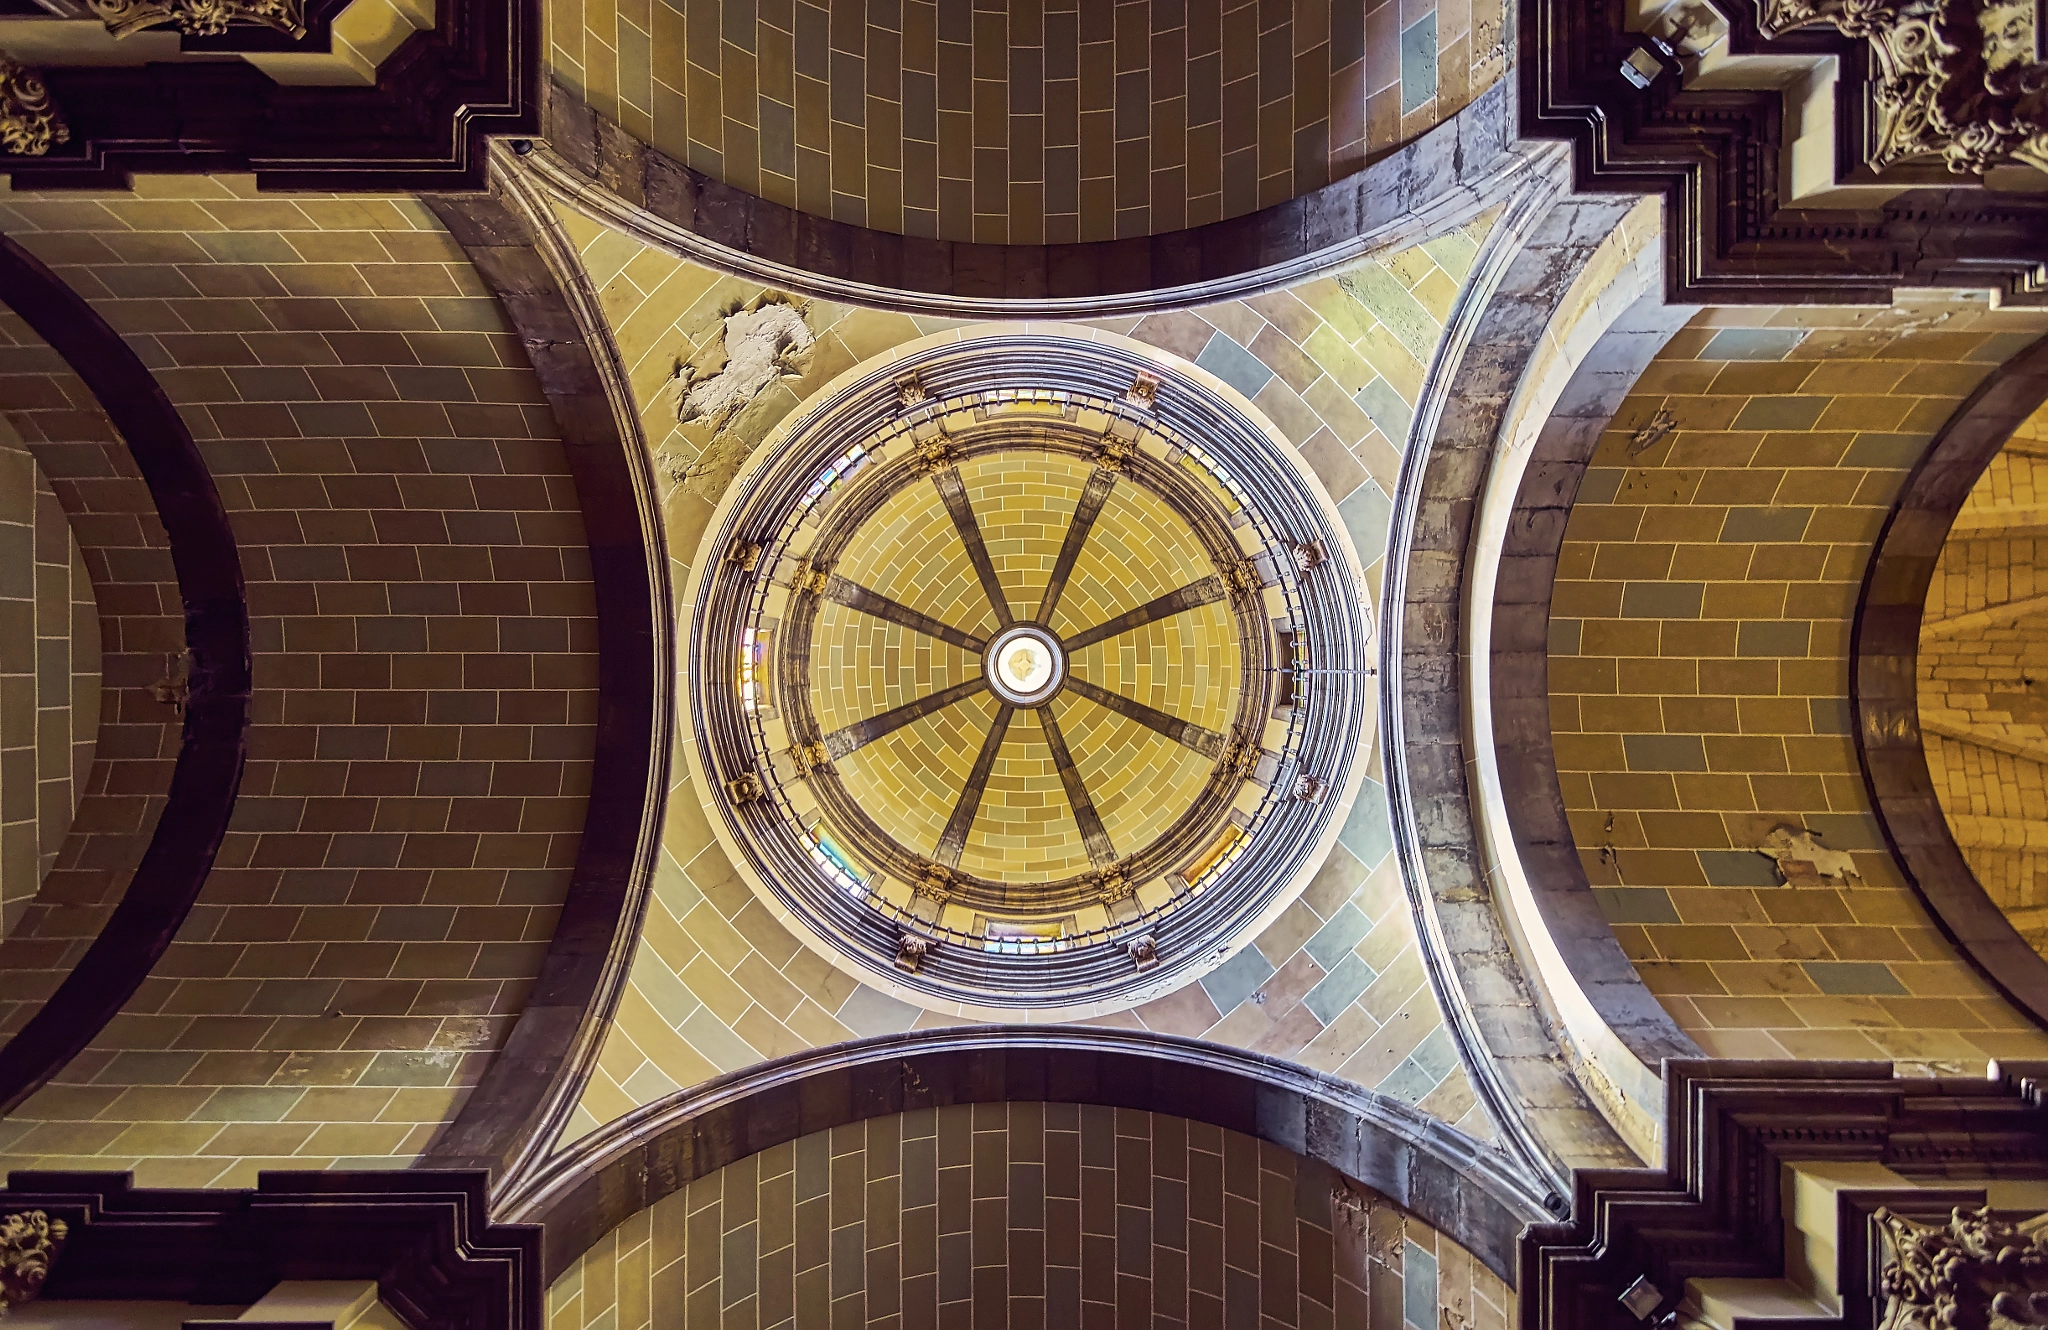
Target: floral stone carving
28,1243
29,122
1979,1272
200,18
1958,79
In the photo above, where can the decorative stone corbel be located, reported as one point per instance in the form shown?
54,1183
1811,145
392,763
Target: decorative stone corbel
1979,1270
1958,79
28,1243
29,121
200,18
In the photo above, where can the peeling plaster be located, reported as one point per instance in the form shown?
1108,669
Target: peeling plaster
755,347
1803,861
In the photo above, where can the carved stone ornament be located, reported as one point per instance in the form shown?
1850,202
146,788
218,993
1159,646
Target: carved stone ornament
911,949
934,453
808,757
1115,888
1955,78
1979,1272
29,121
936,885
200,18
1113,453
28,1243
809,577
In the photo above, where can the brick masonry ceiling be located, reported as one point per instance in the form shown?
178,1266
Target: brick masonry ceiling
1025,123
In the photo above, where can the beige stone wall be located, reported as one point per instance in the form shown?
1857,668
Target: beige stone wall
1025,1215
1337,982
1984,680
424,682
1699,685
49,678
1039,123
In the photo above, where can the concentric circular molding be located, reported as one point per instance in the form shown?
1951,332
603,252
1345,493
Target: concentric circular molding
1141,918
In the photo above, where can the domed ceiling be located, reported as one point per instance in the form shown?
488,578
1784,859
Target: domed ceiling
1044,671
1984,680
1133,781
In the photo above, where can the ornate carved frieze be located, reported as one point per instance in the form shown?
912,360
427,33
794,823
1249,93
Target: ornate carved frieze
1958,79
1953,81
30,123
1977,1270
28,1243
1717,1207
200,18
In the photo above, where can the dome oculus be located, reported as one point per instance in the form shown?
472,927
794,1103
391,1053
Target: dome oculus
1028,665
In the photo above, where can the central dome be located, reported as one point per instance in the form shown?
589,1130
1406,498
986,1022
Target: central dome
1023,673
986,767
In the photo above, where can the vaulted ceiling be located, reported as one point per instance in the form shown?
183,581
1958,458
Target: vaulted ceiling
521,529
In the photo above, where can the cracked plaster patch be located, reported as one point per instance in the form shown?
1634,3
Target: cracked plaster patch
756,346
1803,861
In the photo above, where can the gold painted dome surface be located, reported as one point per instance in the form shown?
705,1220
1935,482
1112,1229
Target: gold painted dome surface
1983,680
1026,672
1187,665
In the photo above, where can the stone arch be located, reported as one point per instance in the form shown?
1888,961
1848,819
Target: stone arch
1460,1186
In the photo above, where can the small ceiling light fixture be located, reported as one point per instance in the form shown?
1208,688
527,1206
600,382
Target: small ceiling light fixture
1646,60
1641,1298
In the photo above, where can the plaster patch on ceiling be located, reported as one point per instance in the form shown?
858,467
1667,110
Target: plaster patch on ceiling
760,342
1803,861
755,346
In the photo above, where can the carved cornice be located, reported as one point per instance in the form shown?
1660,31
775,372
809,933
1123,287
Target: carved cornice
29,121
423,125
1734,233
200,18
1957,79
425,1236
1716,1207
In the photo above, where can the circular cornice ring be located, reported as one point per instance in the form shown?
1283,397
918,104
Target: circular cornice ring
1140,925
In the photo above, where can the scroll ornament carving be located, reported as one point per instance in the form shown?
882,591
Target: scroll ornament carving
200,18
1979,1272
29,120
28,1243
1955,78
